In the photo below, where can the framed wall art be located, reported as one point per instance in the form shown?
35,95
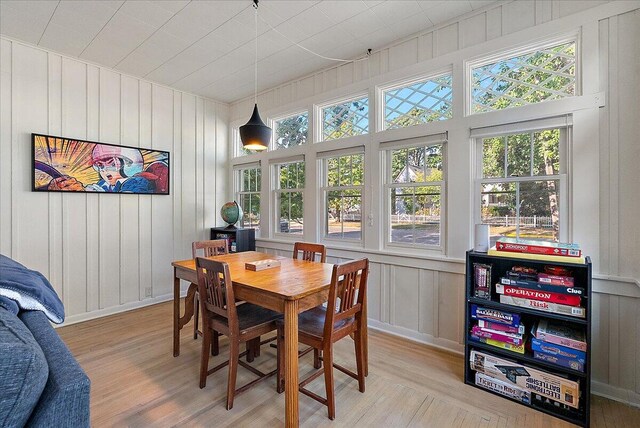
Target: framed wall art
71,165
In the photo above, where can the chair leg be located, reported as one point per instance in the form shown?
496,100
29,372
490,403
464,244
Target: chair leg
316,358
234,351
327,361
256,349
360,363
215,347
250,352
204,356
280,358
196,316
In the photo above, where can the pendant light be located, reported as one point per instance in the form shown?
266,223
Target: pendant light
254,134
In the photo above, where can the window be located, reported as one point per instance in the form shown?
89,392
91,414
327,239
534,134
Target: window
291,131
346,119
248,195
289,197
415,188
422,102
532,77
521,181
343,183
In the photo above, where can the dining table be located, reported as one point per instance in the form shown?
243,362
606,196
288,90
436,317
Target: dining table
290,288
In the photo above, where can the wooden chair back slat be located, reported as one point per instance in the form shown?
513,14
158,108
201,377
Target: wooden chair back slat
346,293
210,248
310,251
216,289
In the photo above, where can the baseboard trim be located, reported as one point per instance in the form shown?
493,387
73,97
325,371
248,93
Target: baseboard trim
414,336
73,319
614,393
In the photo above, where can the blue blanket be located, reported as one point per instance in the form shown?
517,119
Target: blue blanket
29,290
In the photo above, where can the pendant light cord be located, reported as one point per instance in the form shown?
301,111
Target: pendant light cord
255,78
363,58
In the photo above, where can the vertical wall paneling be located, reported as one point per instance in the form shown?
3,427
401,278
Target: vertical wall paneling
109,205
178,181
450,306
144,201
189,233
93,201
518,15
29,104
161,207
224,191
102,252
74,207
374,290
54,116
6,147
129,204
600,334
404,290
628,81
199,171
209,185
428,303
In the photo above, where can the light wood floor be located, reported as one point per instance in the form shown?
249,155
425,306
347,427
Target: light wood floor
137,382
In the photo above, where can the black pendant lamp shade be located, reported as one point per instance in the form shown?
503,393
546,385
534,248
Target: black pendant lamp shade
255,135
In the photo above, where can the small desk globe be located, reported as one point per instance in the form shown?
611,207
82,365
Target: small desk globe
231,213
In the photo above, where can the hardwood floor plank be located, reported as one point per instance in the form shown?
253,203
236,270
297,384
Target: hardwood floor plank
136,382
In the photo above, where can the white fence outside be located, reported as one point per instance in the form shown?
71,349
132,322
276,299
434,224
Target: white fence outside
534,221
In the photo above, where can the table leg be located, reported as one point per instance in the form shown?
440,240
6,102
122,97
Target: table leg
178,321
176,316
291,363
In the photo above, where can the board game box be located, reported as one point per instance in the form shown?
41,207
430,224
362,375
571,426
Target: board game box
556,308
557,350
495,315
563,362
563,334
503,388
552,386
534,285
547,296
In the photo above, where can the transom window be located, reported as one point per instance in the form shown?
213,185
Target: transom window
415,184
345,119
520,184
422,102
343,184
291,131
237,143
248,195
529,78
289,197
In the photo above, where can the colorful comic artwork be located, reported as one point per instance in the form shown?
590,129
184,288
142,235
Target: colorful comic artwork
68,165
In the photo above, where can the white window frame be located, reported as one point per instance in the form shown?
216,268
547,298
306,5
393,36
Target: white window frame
381,102
239,193
387,148
274,125
323,158
565,125
506,54
277,192
319,116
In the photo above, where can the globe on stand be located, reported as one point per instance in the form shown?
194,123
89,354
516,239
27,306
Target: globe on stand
231,213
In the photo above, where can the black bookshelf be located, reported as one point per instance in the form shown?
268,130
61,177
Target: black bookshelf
499,266
239,239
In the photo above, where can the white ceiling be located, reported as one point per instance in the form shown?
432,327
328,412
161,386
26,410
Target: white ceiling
207,47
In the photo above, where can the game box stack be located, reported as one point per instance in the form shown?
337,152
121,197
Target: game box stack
500,329
550,291
537,250
559,343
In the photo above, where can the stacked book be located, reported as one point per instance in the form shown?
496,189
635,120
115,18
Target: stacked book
537,250
550,292
498,328
559,343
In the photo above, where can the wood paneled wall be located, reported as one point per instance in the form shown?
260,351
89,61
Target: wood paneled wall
105,252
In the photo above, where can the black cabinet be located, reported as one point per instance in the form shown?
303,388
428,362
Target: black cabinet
239,239
514,364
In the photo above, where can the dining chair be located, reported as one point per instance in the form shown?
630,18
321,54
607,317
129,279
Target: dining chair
309,251
212,247
321,327
240,323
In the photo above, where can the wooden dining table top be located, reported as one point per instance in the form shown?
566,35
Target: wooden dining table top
292,280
